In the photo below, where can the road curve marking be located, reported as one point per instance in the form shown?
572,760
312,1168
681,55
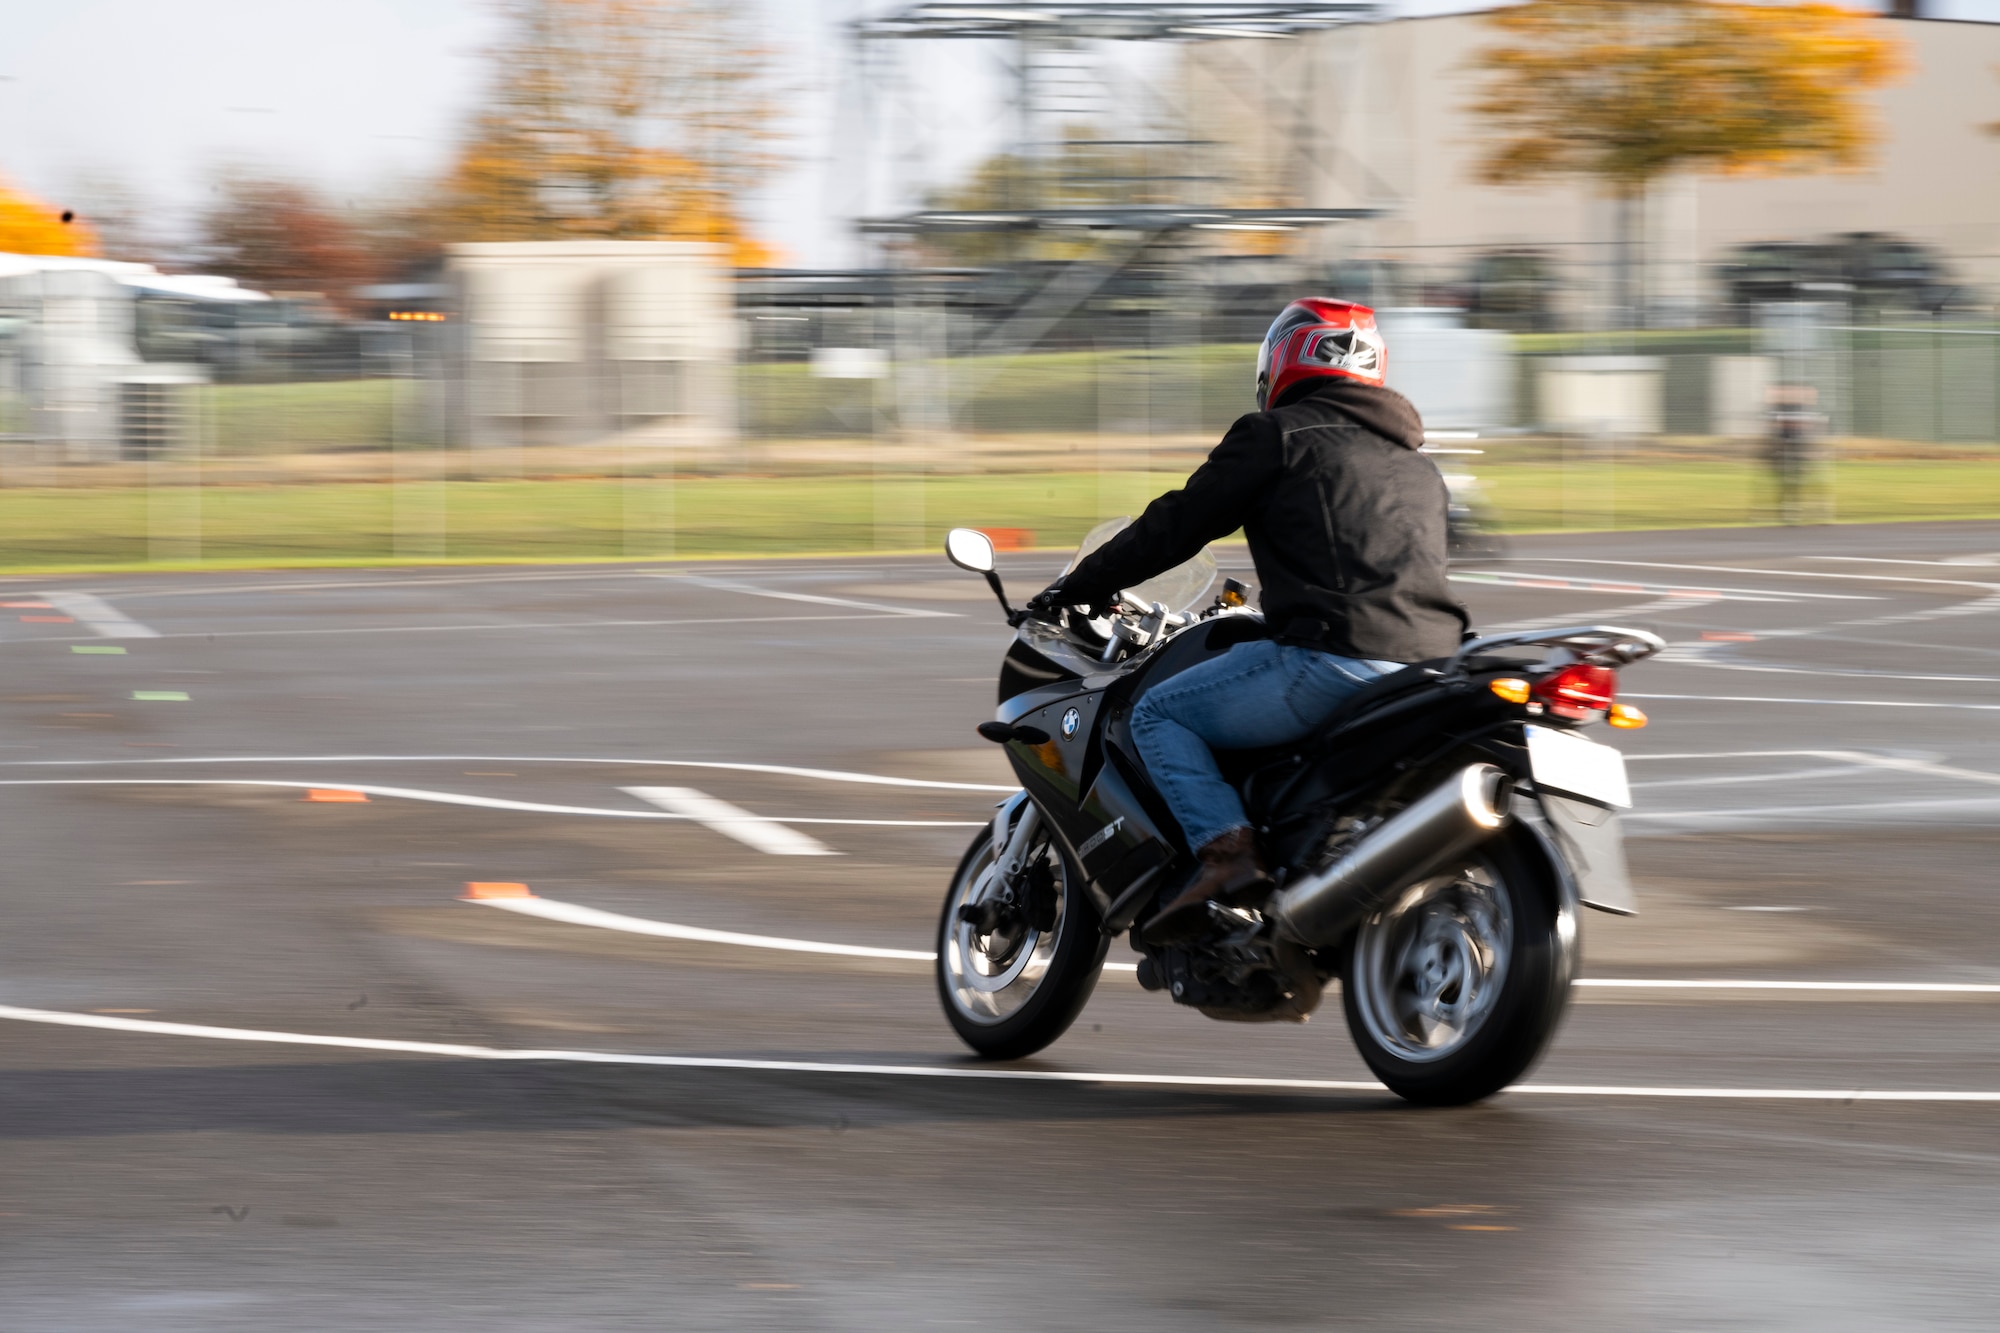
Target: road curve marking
461,798
157,1027
781,770
577,915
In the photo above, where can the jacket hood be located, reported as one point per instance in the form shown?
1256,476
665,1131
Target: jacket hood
1372,407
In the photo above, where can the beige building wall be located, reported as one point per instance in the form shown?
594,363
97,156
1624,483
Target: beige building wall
1377,116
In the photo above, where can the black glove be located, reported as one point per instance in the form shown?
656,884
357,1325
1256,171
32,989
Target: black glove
1045,604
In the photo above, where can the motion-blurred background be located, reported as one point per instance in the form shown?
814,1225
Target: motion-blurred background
581,278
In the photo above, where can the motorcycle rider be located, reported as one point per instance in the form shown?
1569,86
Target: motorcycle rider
1346,526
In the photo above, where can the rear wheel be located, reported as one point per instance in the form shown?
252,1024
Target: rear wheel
1457,984
1014,975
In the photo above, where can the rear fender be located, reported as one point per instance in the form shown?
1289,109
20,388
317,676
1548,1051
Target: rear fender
1531,838
1590,844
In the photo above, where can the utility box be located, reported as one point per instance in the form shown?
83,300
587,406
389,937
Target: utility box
78,384
583,342
1458,378
1601,395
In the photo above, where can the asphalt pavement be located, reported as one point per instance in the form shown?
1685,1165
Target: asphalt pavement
266,1062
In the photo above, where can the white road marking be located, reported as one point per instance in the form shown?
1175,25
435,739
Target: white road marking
100,615
576,915
1511,578
418,582
612,571
1741,779
1956,562
1614,615
1831,703
156,1027
1857,987
1721,818
766,835
461,798
782,770
520,625
1774,573
1856,761
751,590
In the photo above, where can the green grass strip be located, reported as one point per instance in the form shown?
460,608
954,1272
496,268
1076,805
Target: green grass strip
481,522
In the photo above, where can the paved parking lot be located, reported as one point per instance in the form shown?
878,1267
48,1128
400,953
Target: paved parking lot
603,1106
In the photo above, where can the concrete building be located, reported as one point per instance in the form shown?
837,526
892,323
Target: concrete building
576,342
1377,116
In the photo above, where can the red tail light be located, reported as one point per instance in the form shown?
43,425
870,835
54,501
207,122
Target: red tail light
1578,692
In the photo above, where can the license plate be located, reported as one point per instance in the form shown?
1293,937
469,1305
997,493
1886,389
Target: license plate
1562,761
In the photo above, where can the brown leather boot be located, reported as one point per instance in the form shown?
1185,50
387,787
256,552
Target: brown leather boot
1229,870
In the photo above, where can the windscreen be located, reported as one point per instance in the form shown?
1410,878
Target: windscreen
1180,587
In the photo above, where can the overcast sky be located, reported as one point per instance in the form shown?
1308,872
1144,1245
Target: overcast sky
363,96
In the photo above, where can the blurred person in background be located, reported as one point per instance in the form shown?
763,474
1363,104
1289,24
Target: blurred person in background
1346,523
1792,446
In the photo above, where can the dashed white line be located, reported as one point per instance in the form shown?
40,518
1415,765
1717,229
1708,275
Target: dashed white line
766,835
156,1027
109,622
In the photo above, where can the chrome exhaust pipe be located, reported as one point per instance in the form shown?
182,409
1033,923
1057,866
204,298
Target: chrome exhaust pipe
1411,845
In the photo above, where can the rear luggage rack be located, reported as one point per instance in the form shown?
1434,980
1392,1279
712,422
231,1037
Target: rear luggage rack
1599,645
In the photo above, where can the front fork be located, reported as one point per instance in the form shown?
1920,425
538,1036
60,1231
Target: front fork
1004,882
1011,848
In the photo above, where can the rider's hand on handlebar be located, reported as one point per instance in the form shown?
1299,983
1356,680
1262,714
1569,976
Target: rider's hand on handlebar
1049,602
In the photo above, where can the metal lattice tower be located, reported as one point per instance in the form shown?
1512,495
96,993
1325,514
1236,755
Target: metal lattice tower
1056,52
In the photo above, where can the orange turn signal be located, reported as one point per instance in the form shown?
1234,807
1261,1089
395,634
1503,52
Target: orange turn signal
1626,718
1513,690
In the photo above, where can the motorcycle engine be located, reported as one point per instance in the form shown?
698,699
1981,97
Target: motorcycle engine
1248,976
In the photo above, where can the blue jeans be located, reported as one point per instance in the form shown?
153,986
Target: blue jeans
1255,694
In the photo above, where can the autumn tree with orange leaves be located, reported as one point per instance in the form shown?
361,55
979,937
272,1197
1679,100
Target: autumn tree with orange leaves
30,227
617,120
1628,91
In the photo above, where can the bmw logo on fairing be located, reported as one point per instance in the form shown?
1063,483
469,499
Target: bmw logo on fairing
1070,721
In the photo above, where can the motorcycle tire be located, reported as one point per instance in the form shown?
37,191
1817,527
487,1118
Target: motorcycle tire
1454,988
1013,1006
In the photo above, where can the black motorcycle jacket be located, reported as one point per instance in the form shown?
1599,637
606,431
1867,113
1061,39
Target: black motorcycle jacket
1345,520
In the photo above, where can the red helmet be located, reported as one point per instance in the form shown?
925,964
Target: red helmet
1317,338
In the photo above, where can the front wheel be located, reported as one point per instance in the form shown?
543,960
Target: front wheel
1014,970
1457,984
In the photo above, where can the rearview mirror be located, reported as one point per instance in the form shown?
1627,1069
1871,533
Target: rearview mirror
969,548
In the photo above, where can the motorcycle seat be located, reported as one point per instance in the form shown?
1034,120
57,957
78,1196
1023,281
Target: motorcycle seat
1383,688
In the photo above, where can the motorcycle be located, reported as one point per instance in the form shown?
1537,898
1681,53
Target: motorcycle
1430,845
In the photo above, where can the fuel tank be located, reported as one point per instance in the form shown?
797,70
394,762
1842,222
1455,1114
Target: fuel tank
1086,776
